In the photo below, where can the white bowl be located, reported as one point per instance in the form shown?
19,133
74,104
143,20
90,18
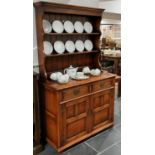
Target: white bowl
88,27
78,26
70,47
48,48
63,78
68,26
59,47
54,76
95,72
57,26
88,45
47,27
79,45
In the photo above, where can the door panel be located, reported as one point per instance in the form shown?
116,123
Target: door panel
75,119
102,108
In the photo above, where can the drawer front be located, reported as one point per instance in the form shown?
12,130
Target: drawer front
104,84
75,92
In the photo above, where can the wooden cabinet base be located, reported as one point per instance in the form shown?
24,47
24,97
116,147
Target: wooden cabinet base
78,110
61,149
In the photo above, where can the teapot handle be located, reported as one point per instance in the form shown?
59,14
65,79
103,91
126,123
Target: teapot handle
65,70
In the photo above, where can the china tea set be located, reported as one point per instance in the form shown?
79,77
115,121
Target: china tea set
72,73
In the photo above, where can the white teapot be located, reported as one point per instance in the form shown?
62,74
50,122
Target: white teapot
71,71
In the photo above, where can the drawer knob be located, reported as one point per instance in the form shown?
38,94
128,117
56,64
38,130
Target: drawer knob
76,91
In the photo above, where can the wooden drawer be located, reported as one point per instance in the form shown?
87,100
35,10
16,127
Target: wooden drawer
104,84
75,92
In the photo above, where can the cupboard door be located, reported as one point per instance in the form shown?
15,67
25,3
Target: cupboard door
75,119
102,106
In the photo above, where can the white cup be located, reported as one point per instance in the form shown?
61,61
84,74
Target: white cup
79,74
86,70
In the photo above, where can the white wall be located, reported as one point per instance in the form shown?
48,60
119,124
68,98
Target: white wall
111,6
91,3
110,21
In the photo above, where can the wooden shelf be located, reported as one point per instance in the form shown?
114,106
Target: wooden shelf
75,53
72,34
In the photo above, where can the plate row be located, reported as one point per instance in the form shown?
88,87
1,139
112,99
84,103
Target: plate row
68,46
67,26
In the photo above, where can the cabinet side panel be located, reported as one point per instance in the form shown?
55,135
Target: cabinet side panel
51,116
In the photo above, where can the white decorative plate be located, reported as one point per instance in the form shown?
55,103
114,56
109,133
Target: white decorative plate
57,26
68,26
88,27
78,26
47,27
79,45
70,47
48,48
88,45
59,47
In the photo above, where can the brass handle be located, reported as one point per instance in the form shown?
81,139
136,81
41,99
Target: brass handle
76,91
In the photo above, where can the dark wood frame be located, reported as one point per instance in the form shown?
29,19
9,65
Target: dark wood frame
59,11
37,132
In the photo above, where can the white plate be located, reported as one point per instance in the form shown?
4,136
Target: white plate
78,26
47,27
57,26
48,48
80,78
68,26
70,47
79,45
88,45
59,47
88,27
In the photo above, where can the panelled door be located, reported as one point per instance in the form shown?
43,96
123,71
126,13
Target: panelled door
102,106
75,119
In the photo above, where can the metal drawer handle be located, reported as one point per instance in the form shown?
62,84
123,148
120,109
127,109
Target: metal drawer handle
76,91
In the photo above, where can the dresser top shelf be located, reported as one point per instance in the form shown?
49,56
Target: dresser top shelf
71,9
72,83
